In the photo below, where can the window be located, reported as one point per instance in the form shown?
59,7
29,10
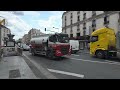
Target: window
105,11
63,38
93,38
71,35
84,32
71,21
84,25
78,12
53,38
4,34
71,15
106,21
78,27
93,23
65,23
93,13
78,18
78,34
65,30
84,16
71,30
65,18
119,18
93,29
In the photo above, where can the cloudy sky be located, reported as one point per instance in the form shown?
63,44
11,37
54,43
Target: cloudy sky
20,22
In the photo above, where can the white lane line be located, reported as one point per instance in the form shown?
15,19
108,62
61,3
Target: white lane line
41,68
97,61
66,73
111,61
116,63
75,55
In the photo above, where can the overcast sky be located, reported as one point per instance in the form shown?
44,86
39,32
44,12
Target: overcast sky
20,22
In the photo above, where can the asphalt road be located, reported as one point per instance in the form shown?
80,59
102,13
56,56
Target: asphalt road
80,66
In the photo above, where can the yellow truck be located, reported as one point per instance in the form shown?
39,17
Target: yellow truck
103,43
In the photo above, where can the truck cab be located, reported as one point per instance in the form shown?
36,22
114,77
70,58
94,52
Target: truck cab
103,43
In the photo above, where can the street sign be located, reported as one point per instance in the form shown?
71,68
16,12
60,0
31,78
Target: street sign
10,44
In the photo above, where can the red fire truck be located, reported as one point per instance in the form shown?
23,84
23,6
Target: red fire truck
51,45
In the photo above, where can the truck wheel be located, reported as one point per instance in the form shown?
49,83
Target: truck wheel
33,53
100,54
50,55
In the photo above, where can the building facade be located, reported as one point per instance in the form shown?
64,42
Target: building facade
25,39
80,24
3,34
32,33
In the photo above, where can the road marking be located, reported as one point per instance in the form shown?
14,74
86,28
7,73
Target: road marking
41,68
116,63
75,55
97,61
66,73
111,61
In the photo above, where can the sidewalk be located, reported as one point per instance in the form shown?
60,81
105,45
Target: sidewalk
14,67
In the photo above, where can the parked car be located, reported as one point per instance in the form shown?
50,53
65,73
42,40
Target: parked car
25,47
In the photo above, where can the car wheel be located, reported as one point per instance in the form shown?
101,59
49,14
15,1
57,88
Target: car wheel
100,54
50,55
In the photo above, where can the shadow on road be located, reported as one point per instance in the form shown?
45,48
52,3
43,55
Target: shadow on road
57,59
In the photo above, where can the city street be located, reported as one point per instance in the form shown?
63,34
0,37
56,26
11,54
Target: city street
79,66
59,33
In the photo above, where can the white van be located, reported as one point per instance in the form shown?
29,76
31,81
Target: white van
74,44
25,47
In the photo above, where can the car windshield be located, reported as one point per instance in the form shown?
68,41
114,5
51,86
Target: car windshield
63,38
94,38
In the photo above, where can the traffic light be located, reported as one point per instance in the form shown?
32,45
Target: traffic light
45,29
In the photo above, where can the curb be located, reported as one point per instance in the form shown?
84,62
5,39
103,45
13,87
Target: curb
41,69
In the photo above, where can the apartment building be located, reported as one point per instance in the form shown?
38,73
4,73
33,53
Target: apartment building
80,24
25,39
33,32
3,34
